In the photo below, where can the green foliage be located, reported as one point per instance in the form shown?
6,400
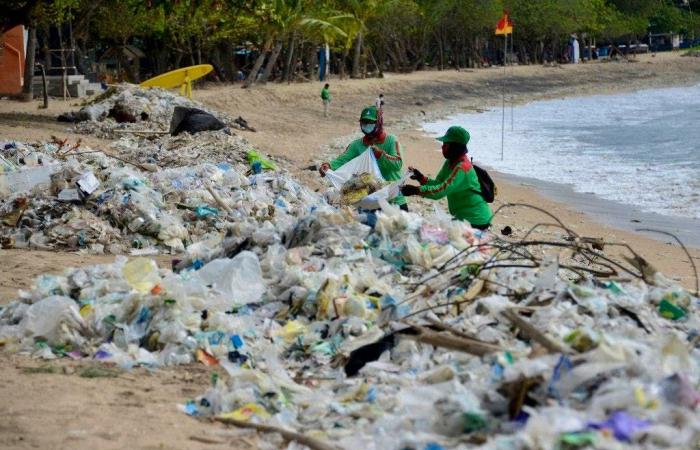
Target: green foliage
399,34
666,18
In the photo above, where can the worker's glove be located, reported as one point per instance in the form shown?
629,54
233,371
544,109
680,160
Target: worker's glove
418,175
325,167
377,151
409,190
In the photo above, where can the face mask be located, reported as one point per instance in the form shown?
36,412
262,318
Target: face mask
367,128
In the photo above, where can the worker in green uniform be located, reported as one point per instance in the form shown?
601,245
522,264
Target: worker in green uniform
326,98
457,180
385,146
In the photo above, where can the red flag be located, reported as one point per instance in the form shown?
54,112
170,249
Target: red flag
505,25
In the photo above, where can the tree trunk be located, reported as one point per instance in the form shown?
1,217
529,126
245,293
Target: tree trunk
47,56
288,68
72,46
258,64
60,45
356,56
28,88
543,52
271,62
312,60
191,52
380,74
364,62
45,89
342,65
229,61
219,69
298,65
161,60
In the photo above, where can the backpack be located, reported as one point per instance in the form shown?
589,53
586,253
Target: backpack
488,187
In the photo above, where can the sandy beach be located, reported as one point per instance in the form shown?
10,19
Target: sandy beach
57,407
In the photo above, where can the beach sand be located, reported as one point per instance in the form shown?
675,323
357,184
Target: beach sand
134,410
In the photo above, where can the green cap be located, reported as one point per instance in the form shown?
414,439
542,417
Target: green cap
455,134
369,113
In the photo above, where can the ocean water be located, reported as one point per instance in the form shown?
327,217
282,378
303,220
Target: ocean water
640,149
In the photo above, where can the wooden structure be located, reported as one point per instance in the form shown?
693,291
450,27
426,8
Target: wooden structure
12,59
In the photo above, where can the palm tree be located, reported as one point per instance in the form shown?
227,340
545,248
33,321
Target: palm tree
284,19
328,27
360,11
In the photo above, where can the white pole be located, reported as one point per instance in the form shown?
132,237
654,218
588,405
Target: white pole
503,115
511,88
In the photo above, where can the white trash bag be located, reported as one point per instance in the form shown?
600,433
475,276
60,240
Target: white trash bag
240,278
365,163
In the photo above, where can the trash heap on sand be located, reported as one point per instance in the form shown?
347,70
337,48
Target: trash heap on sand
417,332
128,107
411,334
144,194
86,200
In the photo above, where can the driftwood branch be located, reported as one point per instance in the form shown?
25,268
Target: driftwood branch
533,333
219,200
445,327
312,443
471,346
685,249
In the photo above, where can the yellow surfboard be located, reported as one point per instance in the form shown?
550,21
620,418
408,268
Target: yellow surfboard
181,78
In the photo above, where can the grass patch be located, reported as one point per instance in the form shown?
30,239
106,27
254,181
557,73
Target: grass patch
692,51
42,369
99,372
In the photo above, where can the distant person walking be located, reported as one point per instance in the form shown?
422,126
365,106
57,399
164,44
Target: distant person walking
574,50
326,98
379,102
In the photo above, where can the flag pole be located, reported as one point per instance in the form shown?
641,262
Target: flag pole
511,90
503,109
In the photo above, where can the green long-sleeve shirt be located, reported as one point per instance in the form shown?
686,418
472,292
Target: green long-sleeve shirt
325,94
460,184
390,162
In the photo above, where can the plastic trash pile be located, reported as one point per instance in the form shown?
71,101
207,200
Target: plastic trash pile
386,330
183,150
130,107
617,369
83,199
354,335
325,270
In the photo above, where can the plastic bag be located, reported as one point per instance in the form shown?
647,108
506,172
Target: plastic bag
366,162
239,278
141,274
44,319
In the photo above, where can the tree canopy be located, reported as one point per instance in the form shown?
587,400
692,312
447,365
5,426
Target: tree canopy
280,39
